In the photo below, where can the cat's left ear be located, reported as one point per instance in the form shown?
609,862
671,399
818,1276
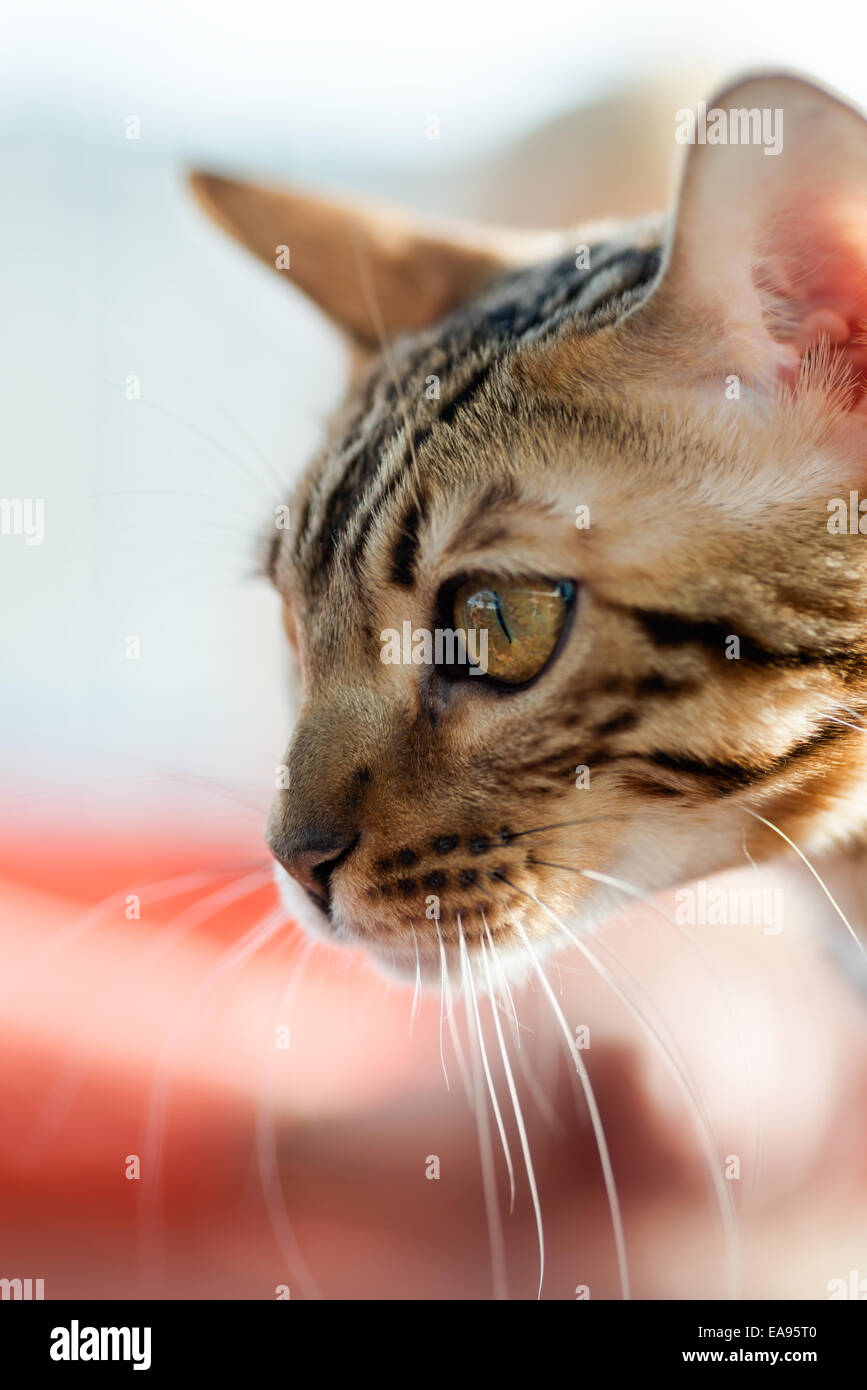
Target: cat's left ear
373,271
768,256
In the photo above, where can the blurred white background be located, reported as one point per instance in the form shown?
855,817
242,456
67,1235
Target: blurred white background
110,272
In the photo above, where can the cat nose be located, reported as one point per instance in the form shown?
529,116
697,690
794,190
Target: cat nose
312,860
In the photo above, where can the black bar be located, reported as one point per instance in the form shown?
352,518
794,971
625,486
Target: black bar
302,1340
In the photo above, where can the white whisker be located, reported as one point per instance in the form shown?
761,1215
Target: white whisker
416,994
486,1159
858,728
174,887
442,1002
749,858
825,889
540,1098
247,946
636,893
495,1105
266,1152
454,1035
671,1056
595,1117
519,1118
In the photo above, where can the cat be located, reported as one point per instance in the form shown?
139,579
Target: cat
620,453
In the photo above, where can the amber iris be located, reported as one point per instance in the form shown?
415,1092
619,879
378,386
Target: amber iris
523,619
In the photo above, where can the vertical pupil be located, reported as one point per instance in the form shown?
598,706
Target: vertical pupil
484,609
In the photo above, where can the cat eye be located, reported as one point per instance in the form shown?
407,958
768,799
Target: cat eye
512,625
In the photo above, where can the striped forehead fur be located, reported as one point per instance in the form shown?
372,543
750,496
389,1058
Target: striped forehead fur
392,417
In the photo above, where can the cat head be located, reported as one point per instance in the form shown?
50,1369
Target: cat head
623,465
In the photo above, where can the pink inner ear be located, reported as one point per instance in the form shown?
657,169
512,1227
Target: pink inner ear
811,276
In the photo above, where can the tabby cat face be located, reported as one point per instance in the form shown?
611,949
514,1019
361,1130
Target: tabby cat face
619,466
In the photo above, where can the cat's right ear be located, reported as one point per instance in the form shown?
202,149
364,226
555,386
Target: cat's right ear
374,273
768,255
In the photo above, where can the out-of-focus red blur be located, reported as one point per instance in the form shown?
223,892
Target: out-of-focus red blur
129,1028
283,1104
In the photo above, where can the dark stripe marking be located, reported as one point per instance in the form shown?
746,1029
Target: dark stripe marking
405,550
674,630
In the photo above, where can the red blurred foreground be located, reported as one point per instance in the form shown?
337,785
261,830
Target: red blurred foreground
157,1036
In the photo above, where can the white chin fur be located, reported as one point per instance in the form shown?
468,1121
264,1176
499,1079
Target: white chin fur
300,908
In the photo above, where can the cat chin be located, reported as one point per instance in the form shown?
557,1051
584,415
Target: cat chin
512,963
404,970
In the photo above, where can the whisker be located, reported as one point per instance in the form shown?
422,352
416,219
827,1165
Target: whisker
858,728
454,1035
673,1059
711,1151
519,1118
538,1094
540,1098
178,370
578,820
512,1016
489,1177
802,856
504,981
442,950
416,994
595,1117
272,475
266,1153
254,519
694,946
248,944
204,526
158,891
212,784
202,435
221,575
749,858
74,1070
629,888
229,554
495,1105
210,906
